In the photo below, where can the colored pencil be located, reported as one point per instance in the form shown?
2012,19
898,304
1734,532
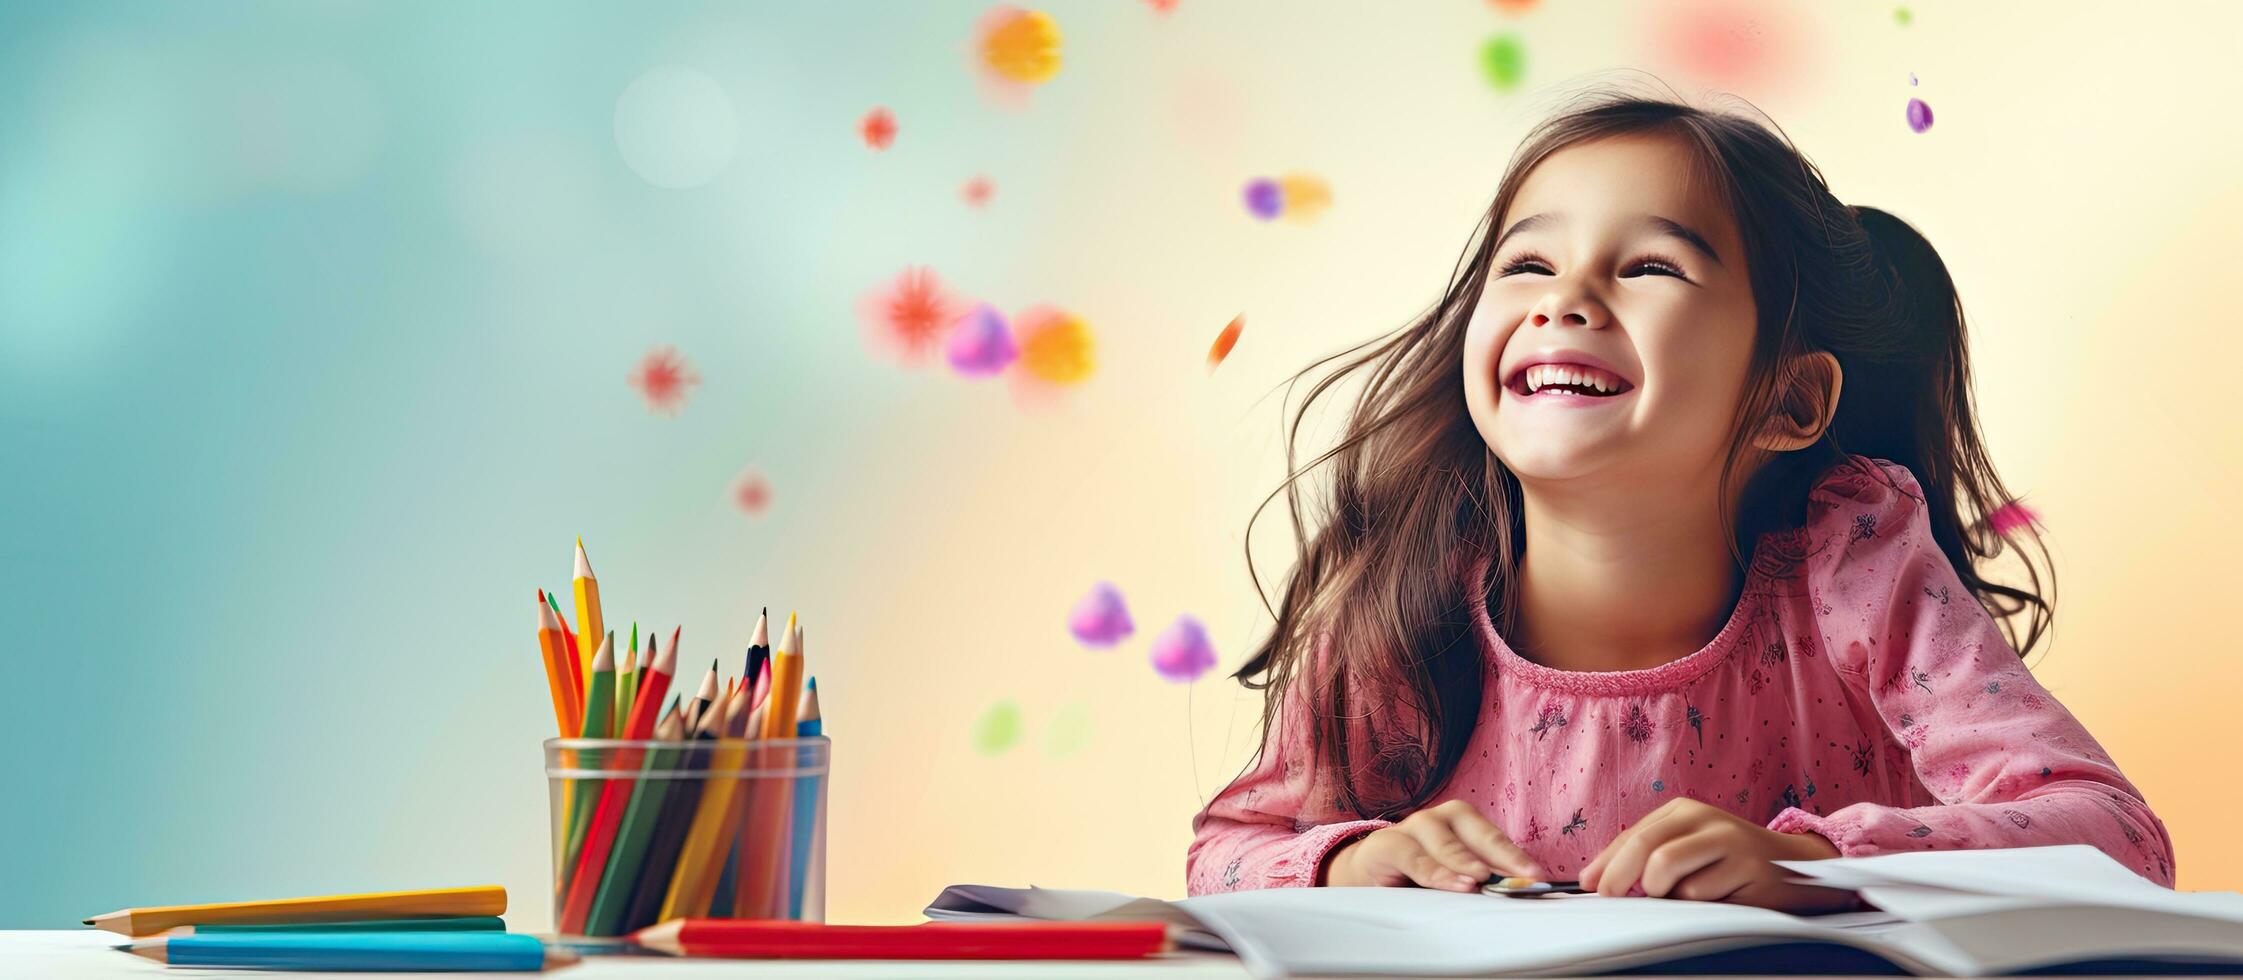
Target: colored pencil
589,627
703,697
627,675
599,705
476,900
759,645
806,802
693,882
560,671
450,923
671,827
591,858
765,846
599,693
744,938
633,833
385,951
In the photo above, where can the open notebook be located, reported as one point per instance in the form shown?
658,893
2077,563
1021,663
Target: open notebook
1959,913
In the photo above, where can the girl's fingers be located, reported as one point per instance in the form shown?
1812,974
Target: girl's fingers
1625,868
1593,874
1681,859
1717,881
1423,869
1495,848
1442,845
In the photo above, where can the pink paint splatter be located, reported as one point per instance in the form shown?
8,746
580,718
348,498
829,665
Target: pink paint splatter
752,493
981,344
1752,47
663,378
1101,619
1919,115
907,317
1182,652
878,128
978,191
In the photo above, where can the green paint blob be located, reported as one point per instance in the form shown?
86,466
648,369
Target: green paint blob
998,728
1068,732
1901,16
1503,60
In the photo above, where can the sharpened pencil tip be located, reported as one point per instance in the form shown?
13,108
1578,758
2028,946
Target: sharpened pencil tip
89,922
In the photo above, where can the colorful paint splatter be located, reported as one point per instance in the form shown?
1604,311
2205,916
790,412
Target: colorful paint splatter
2013,516
752,494
1068,731
1225,341
1503,61
1919,115
1264,199
878,128
978,191
908,317
1056,351
1101,619
998,728
664,379
1014,51
981,344
1182,652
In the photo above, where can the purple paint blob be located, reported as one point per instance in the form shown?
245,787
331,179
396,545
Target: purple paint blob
1919,115
980,344
1101,619
1264,198
1181,652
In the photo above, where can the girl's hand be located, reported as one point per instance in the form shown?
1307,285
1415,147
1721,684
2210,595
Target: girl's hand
1449,846
1697,851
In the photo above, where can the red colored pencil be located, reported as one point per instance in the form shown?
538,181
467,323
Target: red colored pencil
773,938
615,793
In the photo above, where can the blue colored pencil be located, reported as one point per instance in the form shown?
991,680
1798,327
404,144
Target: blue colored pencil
419,951
808,723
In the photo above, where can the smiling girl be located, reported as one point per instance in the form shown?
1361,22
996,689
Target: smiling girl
1643,559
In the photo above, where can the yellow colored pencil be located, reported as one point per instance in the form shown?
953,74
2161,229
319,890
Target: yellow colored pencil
425,903
589,625
693,884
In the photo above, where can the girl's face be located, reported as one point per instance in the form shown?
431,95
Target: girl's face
1609,268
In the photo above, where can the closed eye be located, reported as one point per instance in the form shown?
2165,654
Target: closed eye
1658,264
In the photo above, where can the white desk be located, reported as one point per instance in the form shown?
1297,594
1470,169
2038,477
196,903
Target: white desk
86,955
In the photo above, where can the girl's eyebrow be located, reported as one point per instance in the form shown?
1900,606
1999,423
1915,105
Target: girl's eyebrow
1663,225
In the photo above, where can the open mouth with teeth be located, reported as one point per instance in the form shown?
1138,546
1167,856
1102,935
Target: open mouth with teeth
1568,379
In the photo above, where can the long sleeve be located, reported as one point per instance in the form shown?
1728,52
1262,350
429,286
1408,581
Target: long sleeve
1275,824
2009,765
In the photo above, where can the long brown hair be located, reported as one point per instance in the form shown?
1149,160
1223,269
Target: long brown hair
1413,497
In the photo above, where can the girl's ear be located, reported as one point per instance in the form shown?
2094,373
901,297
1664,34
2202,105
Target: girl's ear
1808,403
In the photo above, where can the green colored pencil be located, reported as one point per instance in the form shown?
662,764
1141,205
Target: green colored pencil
599,711
627,678
634,834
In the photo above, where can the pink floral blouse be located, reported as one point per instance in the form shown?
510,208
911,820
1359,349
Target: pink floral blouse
1858,691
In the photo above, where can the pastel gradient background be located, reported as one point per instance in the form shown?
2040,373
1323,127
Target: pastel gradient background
315,319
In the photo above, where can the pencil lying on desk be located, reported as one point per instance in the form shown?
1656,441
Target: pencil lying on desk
388,951
453,923
771,938
476,900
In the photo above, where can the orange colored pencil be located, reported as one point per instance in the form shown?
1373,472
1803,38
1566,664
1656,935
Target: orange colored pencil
560,671
766,842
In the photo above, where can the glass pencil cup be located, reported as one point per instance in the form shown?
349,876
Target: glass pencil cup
647,831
